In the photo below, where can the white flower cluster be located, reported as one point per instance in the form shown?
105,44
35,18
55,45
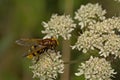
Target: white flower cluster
107,26
59,26
88,40
111,46
48,66
89,14
109,30
96,69
103,36
97,33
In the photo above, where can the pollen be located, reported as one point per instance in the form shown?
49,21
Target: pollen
35,53
30,56
32,47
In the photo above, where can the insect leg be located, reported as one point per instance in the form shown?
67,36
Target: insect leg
37,59
49,56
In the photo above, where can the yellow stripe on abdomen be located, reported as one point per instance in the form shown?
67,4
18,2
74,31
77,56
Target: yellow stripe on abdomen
30,56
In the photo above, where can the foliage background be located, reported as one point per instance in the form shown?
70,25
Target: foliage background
22,19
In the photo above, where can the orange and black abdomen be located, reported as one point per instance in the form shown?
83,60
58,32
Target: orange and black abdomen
35,51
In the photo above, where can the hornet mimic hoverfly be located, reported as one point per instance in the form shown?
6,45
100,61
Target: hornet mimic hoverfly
37,46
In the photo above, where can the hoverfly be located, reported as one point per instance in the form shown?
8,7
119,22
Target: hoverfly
37,46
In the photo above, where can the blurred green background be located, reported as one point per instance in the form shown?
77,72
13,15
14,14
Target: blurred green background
22,19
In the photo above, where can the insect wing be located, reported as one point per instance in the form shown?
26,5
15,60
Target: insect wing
34,51
28,42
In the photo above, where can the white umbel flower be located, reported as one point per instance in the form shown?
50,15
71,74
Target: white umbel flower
104,36
110,46
96,69
59,26
88,41
48,66
89,14
107,26
109,30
